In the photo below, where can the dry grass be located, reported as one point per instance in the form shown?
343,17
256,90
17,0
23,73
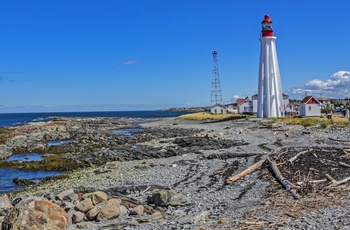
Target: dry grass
336,121
201,116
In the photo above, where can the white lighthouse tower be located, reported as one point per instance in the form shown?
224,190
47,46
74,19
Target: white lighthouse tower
270,98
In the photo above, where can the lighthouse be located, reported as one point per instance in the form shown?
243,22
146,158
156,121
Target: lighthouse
270,98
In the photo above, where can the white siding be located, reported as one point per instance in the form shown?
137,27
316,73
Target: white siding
310,110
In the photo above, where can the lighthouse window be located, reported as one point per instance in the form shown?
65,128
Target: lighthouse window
267,27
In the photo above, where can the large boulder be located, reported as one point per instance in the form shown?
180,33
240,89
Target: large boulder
164,198
109,210
36,213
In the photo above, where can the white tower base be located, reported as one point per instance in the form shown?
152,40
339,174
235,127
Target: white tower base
270,98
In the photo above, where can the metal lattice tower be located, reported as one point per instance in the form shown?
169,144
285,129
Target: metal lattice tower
216,97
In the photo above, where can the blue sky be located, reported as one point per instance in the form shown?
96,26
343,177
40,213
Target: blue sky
78,55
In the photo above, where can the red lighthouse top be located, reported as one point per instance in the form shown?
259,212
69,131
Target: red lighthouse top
266,24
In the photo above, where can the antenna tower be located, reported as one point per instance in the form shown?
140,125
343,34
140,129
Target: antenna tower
216,97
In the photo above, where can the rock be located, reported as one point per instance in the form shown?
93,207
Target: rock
5,205
155,216
93,212
88,225
85,205
5,152
123,210
64,194
109,210
138,210
67,206
112,165
96,197
37,213
77,217
165,198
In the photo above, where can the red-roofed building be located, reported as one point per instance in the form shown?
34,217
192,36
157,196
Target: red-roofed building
244,105
310,107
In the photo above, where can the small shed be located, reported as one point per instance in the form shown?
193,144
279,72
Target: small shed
310,107
218,109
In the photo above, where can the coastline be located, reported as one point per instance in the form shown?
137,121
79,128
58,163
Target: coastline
202,153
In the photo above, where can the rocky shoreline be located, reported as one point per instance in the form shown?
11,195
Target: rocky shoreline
171,174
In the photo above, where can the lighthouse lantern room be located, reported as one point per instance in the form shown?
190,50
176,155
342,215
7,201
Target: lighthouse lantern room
266,26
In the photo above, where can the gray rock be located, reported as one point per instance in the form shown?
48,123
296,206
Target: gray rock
5,152
165,198
77,217
85,205
109,210
5,205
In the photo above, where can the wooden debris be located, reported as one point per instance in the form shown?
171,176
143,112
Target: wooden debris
296,156
281,179
245,172
340,140
331,179
342,181
313,181
344,164
259,223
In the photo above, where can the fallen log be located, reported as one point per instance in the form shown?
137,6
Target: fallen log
296,156
245,172
281,179
312,181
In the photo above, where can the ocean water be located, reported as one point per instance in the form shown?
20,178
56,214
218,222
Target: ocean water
14,119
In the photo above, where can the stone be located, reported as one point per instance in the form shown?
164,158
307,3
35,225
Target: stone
93,212
109,210
64,194
96,197
155,216
67,206
138,210
5,205
34,213
5,152
77,217
112,165
164,198
88,225
85,205
123,210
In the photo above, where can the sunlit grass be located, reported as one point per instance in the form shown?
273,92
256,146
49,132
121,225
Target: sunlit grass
201,116
323,122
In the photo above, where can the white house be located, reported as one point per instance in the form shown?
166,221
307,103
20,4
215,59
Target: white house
218,109
244,105
255,101
325,103
309,107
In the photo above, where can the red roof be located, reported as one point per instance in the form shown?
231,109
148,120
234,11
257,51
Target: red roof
241,100
309,100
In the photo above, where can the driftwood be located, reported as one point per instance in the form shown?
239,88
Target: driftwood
313,181
296,156
344,164
340,182
331,179
245,172
340,140
281,179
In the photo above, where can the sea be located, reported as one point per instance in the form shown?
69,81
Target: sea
15,119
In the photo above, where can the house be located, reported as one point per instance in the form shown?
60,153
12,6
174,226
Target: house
218,109
255,102
325,103
244,105
310,106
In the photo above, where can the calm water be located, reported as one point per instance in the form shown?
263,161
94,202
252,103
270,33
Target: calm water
13,119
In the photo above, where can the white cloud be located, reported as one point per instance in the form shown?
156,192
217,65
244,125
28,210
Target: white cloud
131,62
235,97
337,86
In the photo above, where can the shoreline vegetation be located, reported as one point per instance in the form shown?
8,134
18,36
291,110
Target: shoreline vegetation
186,162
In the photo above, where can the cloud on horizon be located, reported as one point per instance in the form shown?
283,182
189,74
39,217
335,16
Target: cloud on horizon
131,62
337,86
